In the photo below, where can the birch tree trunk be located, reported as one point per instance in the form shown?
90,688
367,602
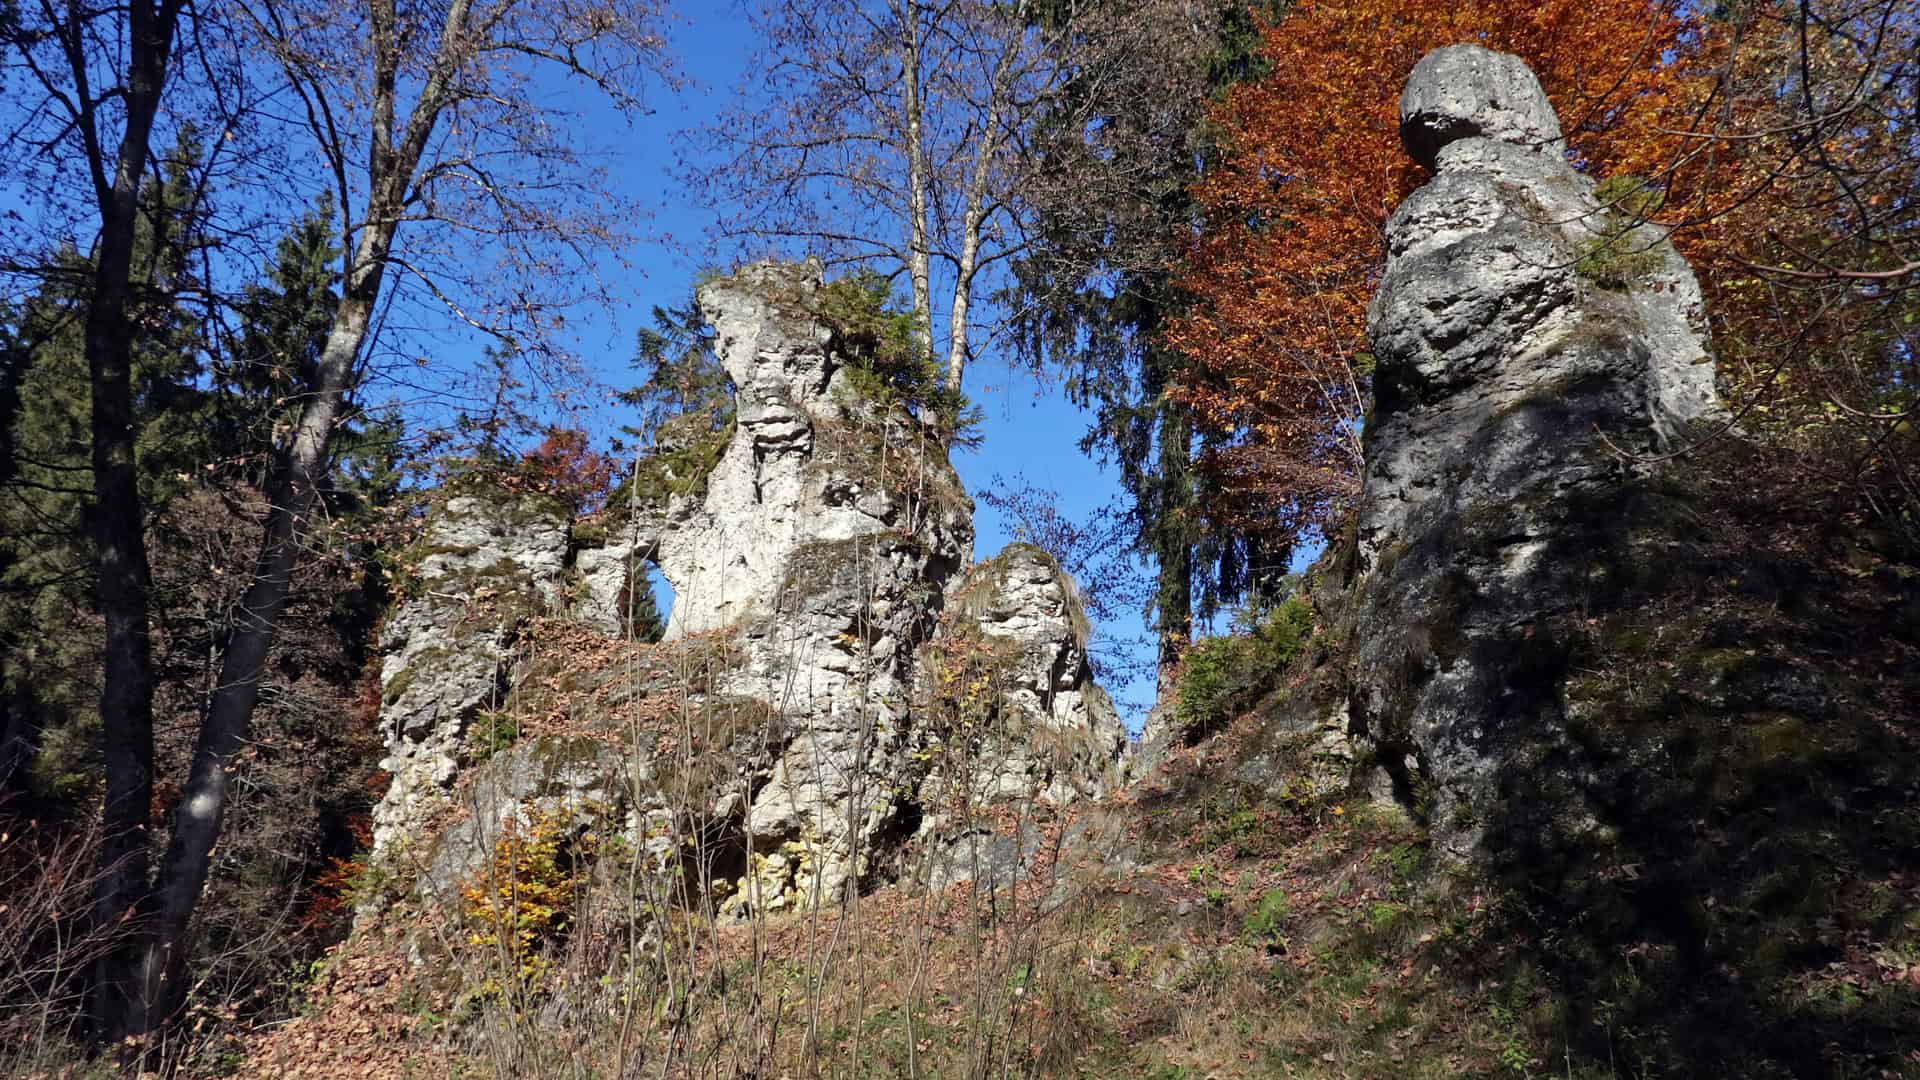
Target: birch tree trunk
919,248
293,493
974,219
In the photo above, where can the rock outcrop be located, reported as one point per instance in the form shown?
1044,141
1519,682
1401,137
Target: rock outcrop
822,541
1015,720
818,548
1023,598
487,559
1530,342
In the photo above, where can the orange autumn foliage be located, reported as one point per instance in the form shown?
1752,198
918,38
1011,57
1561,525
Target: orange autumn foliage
1799,218
1291,250
565,465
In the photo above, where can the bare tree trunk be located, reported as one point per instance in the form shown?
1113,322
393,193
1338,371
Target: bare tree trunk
919,257
293,493
295,489
977,210
963,290
117,517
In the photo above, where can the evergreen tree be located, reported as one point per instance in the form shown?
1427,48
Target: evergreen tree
645,622
683,376
283,324
1109,213
50,664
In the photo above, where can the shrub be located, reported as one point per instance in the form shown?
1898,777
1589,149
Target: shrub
565,465
492,731
686,451
1222,677
1268,918
886,366
524,900
1620,256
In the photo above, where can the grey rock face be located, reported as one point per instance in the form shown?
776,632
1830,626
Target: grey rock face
824,538
605,576
812,555
543,783
824,544
1510,371
1465,91
1030,729
1023,598
488,560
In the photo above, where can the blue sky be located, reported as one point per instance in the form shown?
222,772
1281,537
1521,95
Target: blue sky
1031,431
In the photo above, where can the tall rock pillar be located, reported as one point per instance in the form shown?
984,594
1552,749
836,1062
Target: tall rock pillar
1536,350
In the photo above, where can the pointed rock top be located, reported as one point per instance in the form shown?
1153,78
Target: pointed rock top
1465,91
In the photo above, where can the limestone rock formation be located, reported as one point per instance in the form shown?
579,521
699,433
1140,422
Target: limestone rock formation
487,559
1465,91
1530,341
823,539
1019,722
1022,596
817,547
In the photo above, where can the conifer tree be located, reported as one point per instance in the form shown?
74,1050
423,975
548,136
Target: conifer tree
1110,213
683,377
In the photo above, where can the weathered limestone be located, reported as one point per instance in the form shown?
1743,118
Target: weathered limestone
825,537
1528,339
1027,729
1464,91
487,560
813,546
541,783
1023,598
605,576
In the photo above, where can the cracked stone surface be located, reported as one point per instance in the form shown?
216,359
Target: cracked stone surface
1514,388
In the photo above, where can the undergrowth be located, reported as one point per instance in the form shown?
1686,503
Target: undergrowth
1223,677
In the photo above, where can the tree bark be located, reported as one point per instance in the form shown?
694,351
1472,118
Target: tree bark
295,489
975,219
298,477
919,247
117,520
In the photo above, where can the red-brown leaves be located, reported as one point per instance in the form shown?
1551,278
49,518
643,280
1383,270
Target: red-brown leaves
1291,246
